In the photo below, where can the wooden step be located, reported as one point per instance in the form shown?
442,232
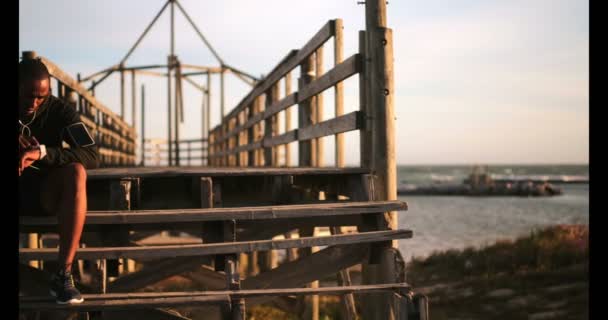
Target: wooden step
166,172
114,301
225,214
215,248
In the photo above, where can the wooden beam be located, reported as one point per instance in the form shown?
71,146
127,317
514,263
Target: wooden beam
348,122
224,214
340,72
133,101
365,133
305,114
307,269
104,71
339,91
200,34
122,94
194,84
64,78
349,312
122,61
379,44
202,68
154,272
163,172
91,304
320,160
216,248
296,57
169,124
344,70
250,230
288,125
220,295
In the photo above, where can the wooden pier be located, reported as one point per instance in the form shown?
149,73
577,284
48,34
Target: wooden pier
245,203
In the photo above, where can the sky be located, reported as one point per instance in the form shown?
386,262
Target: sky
476,81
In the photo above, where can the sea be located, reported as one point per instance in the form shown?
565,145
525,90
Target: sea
441,223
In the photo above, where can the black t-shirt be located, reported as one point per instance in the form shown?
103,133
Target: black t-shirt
48,125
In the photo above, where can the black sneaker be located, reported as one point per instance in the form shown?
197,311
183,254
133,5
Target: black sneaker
63,289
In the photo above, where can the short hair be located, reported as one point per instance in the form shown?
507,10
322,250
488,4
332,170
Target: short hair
32,69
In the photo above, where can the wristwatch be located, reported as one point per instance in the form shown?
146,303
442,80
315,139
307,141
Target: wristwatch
42,149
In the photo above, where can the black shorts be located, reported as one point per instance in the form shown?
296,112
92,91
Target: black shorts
30,191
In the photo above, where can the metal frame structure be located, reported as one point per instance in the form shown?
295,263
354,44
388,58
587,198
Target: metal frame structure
174,74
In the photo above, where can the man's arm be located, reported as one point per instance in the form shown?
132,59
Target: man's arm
59,156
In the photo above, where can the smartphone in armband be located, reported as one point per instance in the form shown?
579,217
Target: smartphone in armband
79,135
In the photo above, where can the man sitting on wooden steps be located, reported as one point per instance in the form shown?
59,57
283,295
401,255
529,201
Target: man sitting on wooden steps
53,175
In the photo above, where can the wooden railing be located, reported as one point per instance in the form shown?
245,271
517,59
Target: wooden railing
156,152
114,137
250,135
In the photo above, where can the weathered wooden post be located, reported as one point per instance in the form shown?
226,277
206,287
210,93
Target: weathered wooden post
122,91
258,131
251,134
339,91
379,92
208,117
178,102
365,134
133,102
305,116
287,119
169,125
306,155
320,161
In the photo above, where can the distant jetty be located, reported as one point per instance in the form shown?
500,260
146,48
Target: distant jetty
480,183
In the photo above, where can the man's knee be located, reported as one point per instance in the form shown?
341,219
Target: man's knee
75,173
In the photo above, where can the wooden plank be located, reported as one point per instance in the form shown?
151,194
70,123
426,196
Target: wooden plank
206,278
306,269
305,114
216,248
154,272
365,134
345,123
115,217
278,72
273,109
165,172
380,95
339,91
280,105
288,118
221,295
319,108
340,72
271,96
284,138
349,312
91,304
148,314
64,78
250,230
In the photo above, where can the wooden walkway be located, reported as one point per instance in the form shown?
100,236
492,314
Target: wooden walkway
248,202
117,233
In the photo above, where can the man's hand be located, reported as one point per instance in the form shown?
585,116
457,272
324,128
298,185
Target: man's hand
29,151
26,143
28,158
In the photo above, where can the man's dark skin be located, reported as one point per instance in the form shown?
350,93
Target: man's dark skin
64,190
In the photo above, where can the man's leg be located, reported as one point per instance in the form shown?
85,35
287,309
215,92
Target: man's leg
64,194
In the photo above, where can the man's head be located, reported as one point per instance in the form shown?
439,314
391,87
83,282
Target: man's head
34,85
